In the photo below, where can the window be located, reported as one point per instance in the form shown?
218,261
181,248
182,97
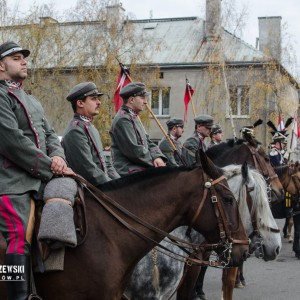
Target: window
239,101
160,101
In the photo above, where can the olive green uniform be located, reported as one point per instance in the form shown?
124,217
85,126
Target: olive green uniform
84,151
132,150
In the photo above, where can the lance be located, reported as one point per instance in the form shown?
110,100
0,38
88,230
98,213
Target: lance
156,120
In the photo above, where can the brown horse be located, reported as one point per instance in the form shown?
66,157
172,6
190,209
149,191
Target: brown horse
164,197
253,153
238,152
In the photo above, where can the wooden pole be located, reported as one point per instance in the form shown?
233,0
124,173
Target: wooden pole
152,114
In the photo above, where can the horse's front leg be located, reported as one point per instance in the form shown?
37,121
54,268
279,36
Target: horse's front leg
228,282
186,289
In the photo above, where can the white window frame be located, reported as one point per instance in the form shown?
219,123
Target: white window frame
239,90
160,106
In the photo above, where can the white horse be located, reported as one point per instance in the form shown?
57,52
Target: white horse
170,270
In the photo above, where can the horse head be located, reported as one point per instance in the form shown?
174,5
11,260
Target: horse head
289,176
227,209
255,210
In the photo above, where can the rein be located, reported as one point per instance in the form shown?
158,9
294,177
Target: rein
255,226
101,197
259,164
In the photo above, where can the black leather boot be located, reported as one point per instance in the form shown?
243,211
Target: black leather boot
20,288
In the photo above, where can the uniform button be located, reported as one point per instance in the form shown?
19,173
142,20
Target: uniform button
38,174
31,170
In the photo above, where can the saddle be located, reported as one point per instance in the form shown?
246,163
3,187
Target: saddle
42,250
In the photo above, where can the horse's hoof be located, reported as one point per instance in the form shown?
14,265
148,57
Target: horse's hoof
297,255
290,240
239,285
199,296
243,282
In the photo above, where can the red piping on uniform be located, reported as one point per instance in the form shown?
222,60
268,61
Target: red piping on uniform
28,118
98,154
16,242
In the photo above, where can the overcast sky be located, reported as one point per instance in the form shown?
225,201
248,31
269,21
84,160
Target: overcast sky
289,10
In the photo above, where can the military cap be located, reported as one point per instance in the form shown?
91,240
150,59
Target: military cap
174,123
134,89
9,48
204,120
215,129
83,90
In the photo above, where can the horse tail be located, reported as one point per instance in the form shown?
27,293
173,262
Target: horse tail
155,270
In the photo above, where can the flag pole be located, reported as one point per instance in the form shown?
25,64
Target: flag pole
156,120
191,99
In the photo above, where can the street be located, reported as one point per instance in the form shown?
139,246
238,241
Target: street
274,280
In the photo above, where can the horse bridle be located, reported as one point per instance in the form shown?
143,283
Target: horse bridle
259,163
226,240
256,227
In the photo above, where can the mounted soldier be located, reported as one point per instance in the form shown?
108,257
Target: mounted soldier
175,131
132,150
81,140
216,136
203,127
31,155
278,148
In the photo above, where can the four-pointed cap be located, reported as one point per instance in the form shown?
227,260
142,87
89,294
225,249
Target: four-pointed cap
83,90
9,48
134,89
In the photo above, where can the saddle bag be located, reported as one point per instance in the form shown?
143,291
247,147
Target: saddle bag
57,227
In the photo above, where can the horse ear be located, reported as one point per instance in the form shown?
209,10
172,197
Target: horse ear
208,166
245,172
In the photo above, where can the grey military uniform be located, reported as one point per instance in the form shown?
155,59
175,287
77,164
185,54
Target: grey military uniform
190,146
168,151
27,142
84,151
132,150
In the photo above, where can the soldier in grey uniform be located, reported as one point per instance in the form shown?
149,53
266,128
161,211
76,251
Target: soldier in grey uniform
203,127
175,131
81,140
216,136
132,150
30,155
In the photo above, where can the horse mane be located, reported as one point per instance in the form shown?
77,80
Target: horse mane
280,170
223,148
259,196
141,176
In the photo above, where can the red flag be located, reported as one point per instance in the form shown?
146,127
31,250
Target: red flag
123,80
189,92
280,125
294,134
